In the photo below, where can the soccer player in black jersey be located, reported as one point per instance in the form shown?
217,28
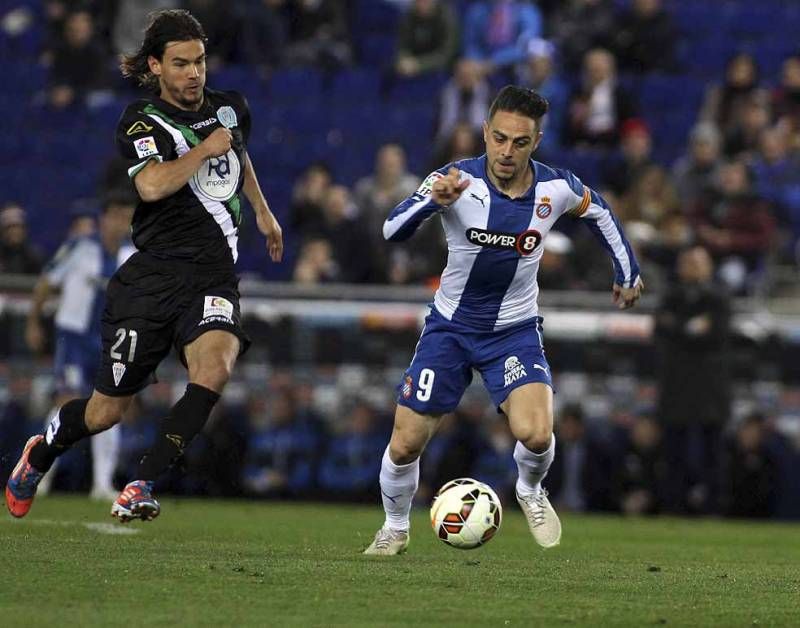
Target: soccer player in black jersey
186,147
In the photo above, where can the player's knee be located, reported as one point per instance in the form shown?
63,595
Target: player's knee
535,435
212,375
405,452
104,414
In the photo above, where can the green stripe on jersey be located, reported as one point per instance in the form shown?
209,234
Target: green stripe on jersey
187,133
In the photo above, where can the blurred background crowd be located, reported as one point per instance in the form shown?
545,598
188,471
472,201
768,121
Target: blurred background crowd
685,115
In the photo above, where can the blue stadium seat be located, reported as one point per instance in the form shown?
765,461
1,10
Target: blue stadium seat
295,85
358,85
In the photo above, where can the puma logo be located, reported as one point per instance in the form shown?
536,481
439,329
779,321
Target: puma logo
478,198
391,498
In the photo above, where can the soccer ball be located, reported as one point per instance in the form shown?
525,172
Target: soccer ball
466,513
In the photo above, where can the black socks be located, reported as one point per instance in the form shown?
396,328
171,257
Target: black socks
184,422
67,428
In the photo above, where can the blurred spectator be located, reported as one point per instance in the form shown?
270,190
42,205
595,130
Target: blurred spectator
555,267
17,254
600,106
308,196
749,472
280,460
745,128
83,220
265,32
693,332
315,264
376,195
636,149
737,227
645,38
694,173
464,99
78,63
462,143
497,32
723,103
452,449
318,34
427,39
130,21
538,72
580,25
643,475
650,198
356,259
219,20
786,100
494,463
15,424
579,478
673,234
352,460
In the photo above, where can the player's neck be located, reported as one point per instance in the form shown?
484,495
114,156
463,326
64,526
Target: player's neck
164,95
516,187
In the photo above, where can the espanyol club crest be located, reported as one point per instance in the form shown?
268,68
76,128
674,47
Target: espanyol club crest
227,117
544,209
408,386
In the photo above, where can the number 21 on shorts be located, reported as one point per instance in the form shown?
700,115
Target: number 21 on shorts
123,333
426,377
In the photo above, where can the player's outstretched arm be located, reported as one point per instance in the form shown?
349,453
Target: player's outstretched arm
628,284
265,219
437,192
158,180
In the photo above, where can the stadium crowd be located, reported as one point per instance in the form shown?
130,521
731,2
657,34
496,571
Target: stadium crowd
686,119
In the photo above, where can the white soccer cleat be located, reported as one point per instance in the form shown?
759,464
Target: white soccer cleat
388,542
542,519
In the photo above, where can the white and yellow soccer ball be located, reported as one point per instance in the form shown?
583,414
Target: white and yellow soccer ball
466,513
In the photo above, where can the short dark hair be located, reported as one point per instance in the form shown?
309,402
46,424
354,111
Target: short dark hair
522,100
163,27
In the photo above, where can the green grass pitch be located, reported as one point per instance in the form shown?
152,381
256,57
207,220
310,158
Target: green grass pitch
230,563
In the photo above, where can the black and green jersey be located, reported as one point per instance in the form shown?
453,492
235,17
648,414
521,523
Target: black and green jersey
200,222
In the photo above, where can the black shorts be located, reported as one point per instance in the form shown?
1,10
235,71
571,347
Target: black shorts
153,305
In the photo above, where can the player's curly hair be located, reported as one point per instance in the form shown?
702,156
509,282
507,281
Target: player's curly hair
163,27
520,100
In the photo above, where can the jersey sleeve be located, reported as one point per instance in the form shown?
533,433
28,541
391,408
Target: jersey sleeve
56,270
588,205
244,122
140,139
406,218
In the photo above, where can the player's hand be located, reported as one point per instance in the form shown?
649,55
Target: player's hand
446,190
34,336
218,143
627,297
268,225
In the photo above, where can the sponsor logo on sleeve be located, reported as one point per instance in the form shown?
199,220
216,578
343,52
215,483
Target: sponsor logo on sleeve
217,309
426,187
138,127
146,146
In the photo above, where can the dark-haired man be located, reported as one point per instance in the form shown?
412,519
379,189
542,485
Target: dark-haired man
186,148
496,210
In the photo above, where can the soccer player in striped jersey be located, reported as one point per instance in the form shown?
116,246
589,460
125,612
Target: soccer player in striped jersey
186,147
496,210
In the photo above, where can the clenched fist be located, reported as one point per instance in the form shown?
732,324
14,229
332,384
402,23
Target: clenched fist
218,143
448,189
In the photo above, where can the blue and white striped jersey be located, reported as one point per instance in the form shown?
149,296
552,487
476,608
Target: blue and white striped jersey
82,268
495,242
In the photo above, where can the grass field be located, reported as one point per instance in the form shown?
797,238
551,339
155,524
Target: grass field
255,564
